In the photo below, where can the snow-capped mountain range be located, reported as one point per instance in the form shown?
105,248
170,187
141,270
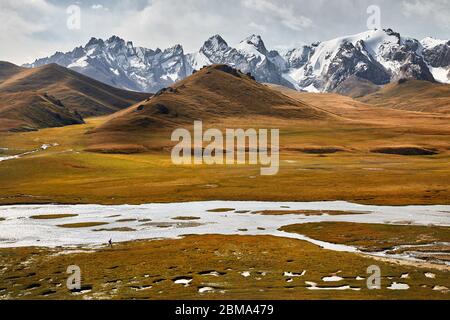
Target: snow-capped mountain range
380,56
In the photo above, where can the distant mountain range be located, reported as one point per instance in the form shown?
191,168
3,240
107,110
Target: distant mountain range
375,57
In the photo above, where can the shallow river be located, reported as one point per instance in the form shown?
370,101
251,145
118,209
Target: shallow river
153,221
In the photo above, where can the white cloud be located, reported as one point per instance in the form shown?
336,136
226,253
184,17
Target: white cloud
437,10
99,7
257,26
36,28
24,17
164,23
283,13
21,24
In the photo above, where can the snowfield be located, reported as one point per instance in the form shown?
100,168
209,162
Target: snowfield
173,220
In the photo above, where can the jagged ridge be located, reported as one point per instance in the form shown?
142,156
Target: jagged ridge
379,56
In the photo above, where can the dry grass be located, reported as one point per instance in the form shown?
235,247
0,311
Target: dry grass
211,95
371,237
413,95
81,225
52,96
72,175
147,270
123,229
52,216
221,210
352,128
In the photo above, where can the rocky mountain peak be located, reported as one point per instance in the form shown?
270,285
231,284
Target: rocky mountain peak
257,42
214,43
115,39
94,42
391,32
176,50
378,56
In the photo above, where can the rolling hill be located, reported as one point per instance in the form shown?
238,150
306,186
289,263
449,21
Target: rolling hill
366,113
412,95
8,69
356,87
215,94
330,147
52,96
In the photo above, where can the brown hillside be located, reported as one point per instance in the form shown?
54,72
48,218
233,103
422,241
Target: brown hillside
412,95
52,95
215,94
8,69
356,87
355,111
31,111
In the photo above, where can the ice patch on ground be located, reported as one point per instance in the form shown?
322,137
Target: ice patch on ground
332,279
398,286
17,156
19,230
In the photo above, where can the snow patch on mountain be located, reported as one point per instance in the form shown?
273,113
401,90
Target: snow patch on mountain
379,56
437,55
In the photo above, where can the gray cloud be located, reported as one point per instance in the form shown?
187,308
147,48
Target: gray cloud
35,28
280,12
438,9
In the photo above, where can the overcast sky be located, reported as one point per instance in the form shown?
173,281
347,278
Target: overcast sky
37,28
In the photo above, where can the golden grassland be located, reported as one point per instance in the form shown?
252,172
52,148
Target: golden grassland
148,270
68,174
332,148
329,151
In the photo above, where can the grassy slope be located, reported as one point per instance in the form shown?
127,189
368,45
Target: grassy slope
51,96
356,87
73,175
215,95
414,95
8,70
